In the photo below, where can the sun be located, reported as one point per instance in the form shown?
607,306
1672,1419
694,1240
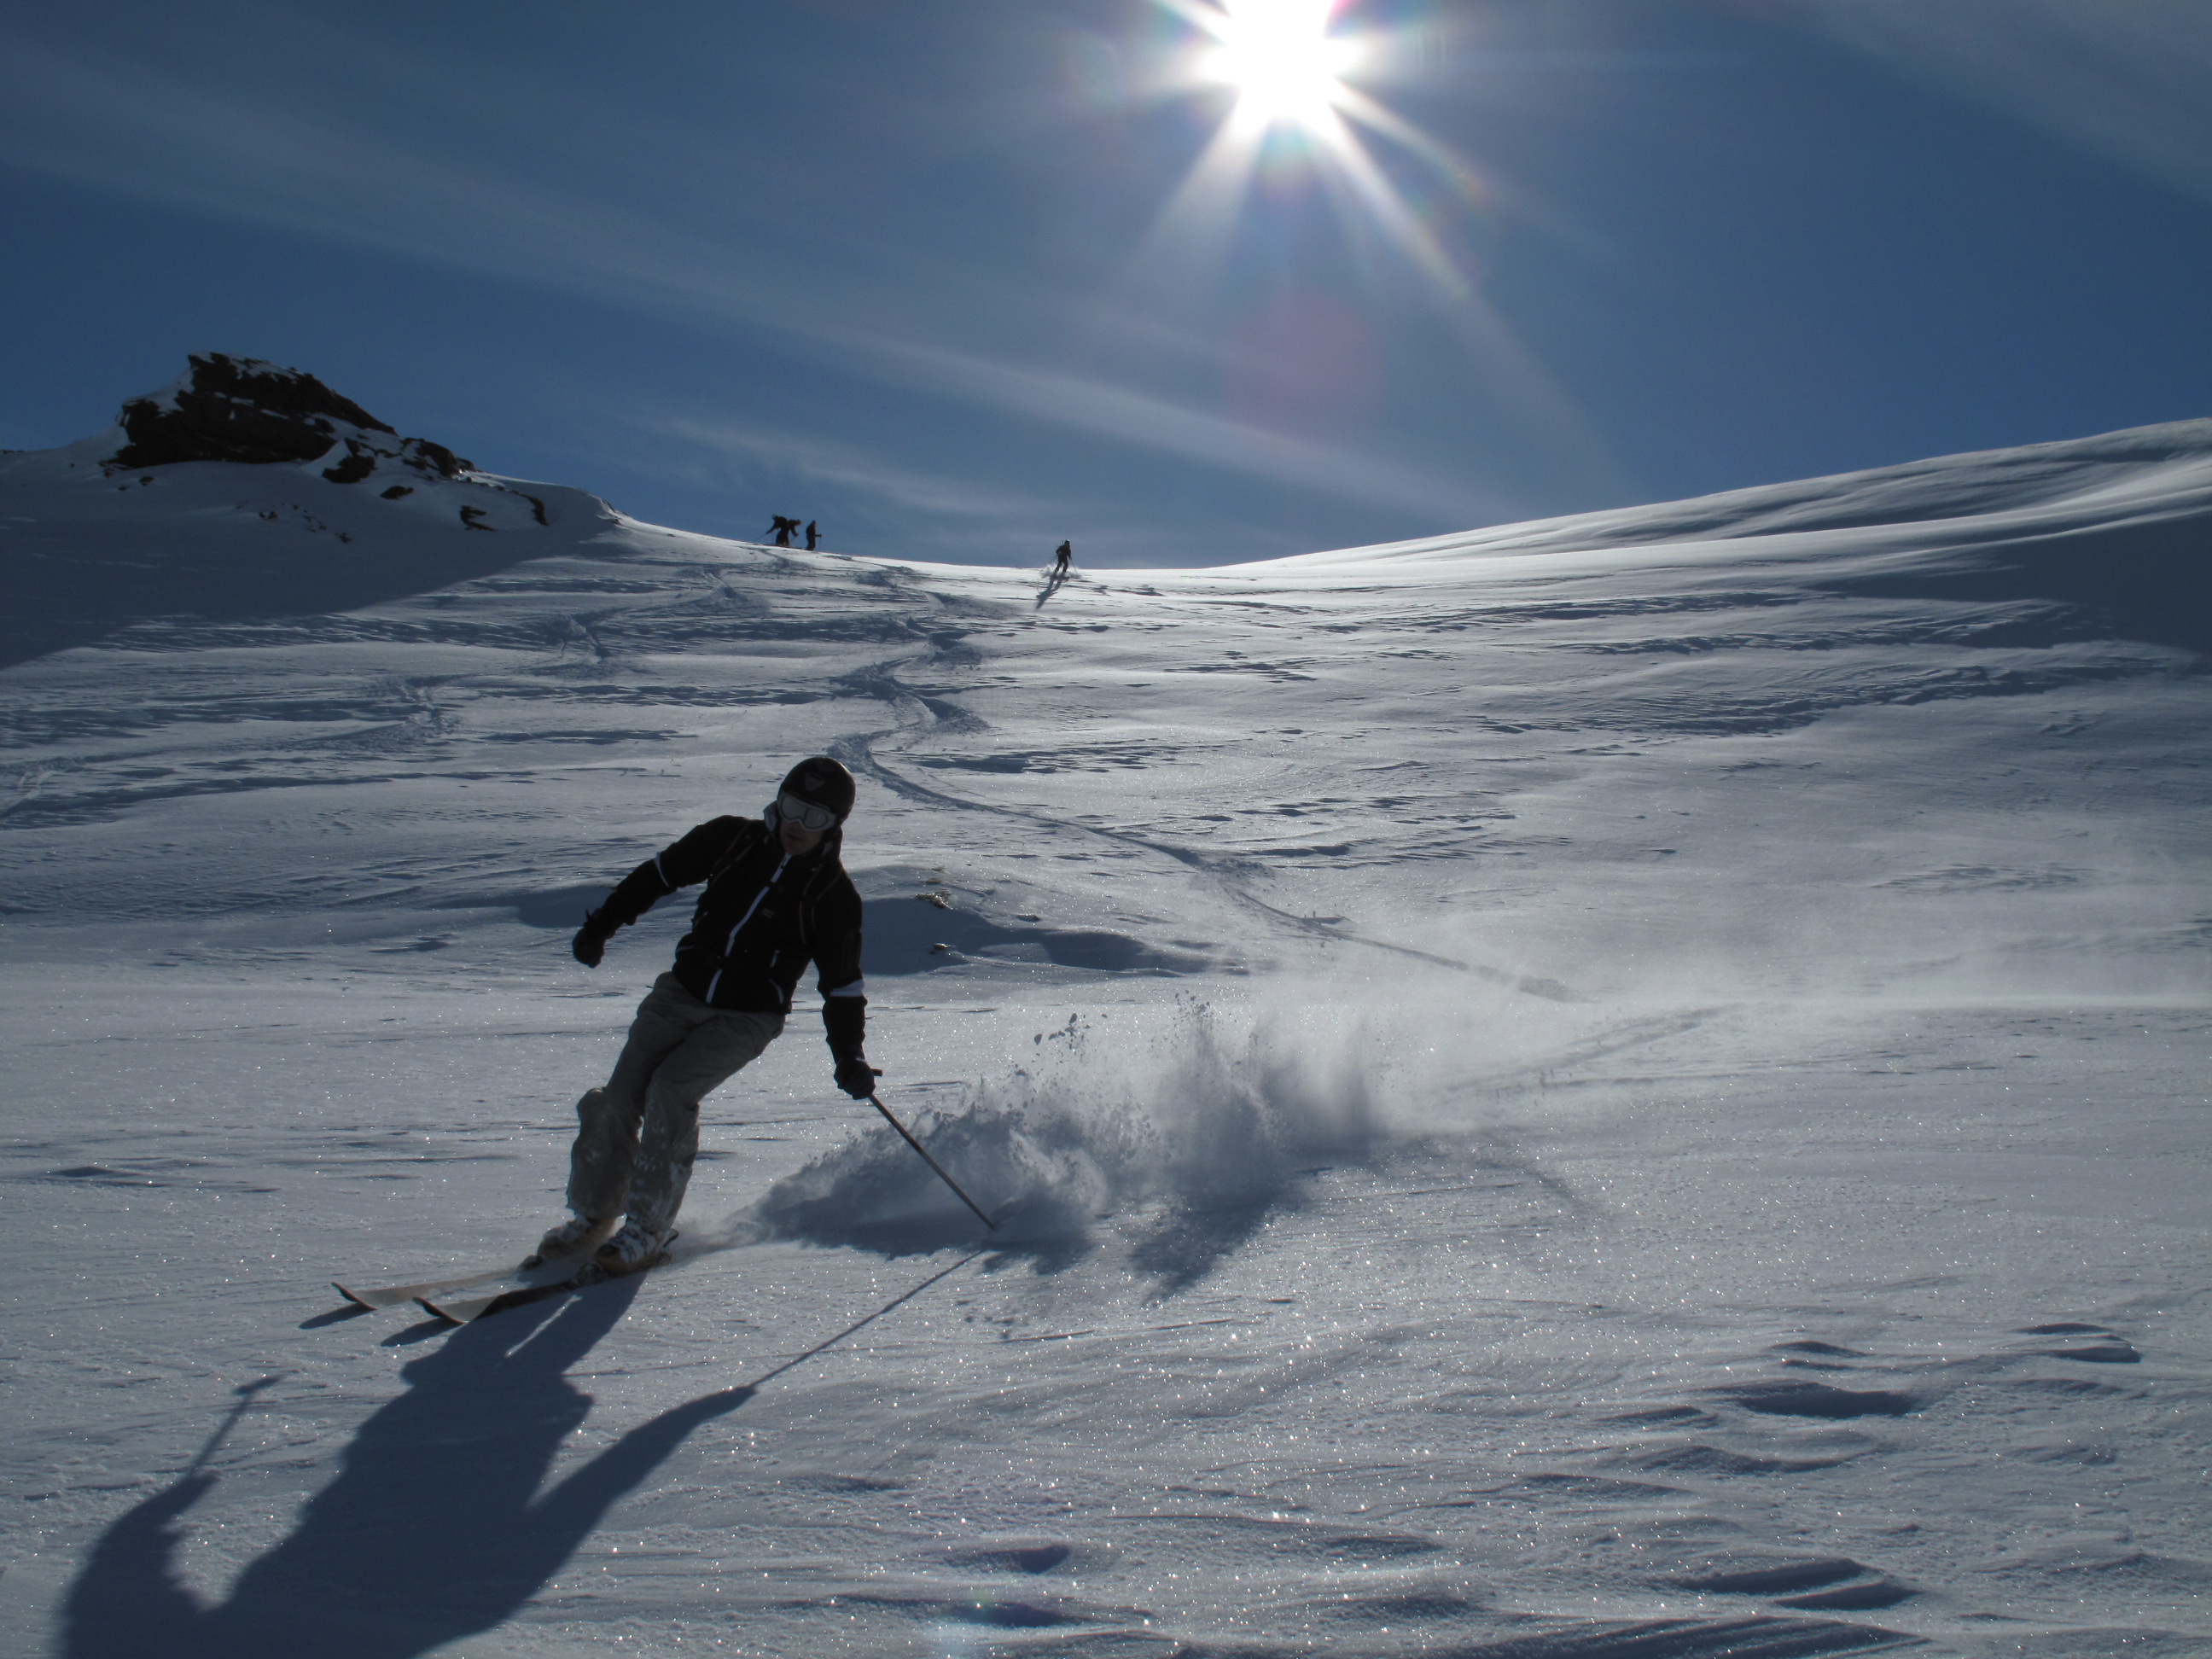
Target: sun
1280,56
1290,63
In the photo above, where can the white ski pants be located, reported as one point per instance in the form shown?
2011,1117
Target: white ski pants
637,1135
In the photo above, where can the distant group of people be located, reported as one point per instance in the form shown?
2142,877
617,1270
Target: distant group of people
781,530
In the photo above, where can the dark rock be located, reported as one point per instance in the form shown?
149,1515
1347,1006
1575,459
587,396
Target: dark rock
358,465
236,409
426,457
398,490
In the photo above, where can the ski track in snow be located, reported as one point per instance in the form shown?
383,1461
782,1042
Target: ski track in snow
1624,1086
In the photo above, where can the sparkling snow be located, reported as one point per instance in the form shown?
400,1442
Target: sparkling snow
1628,1085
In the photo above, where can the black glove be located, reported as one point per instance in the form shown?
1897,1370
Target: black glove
856,1077
591,941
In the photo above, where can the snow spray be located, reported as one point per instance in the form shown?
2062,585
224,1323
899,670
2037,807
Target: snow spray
1187,1139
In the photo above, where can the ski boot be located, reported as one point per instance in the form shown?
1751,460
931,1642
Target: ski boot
572,1237
632,1250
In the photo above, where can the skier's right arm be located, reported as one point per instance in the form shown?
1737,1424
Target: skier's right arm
682,863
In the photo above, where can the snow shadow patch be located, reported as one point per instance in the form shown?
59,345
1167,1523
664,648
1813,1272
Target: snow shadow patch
454,1505
553,907
1183,1144
2145,578
1819,1399
914,932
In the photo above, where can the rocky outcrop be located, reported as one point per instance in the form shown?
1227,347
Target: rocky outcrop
240,408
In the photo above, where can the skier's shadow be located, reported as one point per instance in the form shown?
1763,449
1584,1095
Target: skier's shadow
1054,581
434,1528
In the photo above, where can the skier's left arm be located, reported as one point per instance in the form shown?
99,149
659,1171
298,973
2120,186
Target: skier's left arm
845,999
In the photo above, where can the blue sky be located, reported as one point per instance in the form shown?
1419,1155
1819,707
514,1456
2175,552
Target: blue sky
936,274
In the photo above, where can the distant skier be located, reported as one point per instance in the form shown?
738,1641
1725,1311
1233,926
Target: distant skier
781,530
813,535
1065,556
776,898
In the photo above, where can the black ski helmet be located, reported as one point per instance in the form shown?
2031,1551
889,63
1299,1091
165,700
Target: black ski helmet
820,782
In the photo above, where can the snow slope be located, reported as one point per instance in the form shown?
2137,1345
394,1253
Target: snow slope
1627,1085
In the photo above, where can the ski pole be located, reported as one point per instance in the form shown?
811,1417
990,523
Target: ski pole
989,1224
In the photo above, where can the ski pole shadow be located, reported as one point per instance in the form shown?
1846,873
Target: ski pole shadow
434,1528
857,1325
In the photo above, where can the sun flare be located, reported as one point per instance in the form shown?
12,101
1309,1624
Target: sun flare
1281,59
1298,114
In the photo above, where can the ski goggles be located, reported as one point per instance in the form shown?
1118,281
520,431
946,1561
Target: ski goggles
804,813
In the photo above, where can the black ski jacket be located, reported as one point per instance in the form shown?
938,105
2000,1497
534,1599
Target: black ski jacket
764,917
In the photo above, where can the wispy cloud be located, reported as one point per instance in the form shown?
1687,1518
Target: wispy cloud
760,453
2129,79
136,130
128,126
1143,421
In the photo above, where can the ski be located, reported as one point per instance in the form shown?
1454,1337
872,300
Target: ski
519,1289
392,1296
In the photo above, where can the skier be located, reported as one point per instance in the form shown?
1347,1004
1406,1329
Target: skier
1065,553
812,535
781,530
776,897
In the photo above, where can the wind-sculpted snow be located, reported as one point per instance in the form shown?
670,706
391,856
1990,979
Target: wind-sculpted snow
1182,1145
1627,1086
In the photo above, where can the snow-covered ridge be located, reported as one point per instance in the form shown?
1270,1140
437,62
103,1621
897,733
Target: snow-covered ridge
2107,534
2109,523
2167,465
242,487
240,411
